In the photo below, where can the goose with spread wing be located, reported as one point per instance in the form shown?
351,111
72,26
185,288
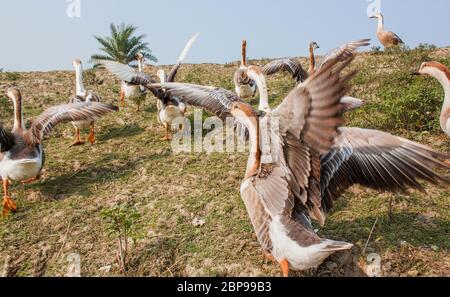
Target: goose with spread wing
131,91
82,95
169,108
306,160
21,151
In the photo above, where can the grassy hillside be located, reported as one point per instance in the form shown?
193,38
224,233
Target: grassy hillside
182,212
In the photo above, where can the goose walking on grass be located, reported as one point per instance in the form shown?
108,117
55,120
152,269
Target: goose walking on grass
21,151
169,108
131,91
387,38
309,160
81,95
442,74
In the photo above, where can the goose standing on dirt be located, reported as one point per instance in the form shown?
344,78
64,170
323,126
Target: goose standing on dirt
308,161
21,152
387,38
81,95
442,74
244,86
132,91
169,108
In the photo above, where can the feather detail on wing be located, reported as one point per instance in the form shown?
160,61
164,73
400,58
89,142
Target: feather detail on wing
7,139
377,160
84,111
290,65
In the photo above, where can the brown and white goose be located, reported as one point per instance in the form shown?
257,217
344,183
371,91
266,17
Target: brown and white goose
134,92
305,160
387,38
244,86
81,95
21,151
442,74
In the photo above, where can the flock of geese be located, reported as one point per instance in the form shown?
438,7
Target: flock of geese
316,159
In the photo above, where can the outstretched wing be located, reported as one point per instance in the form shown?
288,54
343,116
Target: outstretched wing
377,160
309,118
290,65
129,75
343,52
84,111
7,139
215,100
181,58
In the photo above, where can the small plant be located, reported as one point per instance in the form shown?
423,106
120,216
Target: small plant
120,220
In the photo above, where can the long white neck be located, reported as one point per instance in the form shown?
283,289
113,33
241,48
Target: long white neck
260,80
445,82
380,23
140,65
18,114
162,77
80,91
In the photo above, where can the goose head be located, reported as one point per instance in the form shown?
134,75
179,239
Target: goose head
140,57
378,15
77,63
434,69
314,45
14,94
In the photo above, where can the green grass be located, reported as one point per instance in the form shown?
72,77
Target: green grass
130,165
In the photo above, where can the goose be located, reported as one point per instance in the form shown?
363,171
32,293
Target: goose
22,154
387,38
312,58
131,91
169,108
244,87
81,95
294,67
442,74
311,161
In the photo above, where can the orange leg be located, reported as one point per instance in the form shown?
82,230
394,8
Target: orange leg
91,137
168,135
285,268
122,98
31,180
269,257
8,204
77,140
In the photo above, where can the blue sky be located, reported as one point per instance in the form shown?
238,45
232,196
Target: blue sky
38,35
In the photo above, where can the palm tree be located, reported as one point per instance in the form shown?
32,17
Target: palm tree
122,46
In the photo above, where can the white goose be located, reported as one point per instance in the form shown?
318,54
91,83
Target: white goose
81,95
131,91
